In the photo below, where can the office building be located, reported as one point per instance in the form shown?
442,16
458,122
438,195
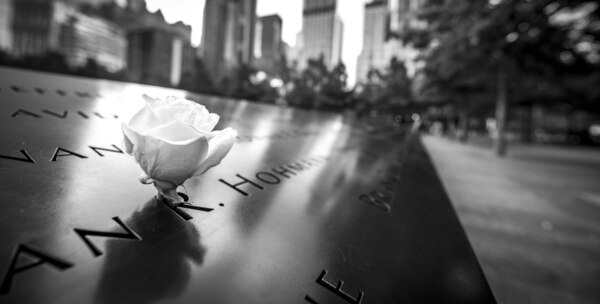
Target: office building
84,37
227,36
158,52
6,12
322,31
268,46
155,56
41,36
294,55
404,17
134,16
42,26
374,54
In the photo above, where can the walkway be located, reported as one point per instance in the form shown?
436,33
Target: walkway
533,218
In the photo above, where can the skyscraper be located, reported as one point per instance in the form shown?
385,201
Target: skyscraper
268,46
403,17
6,12
155,57
158,52
322,31
84,37
227,35
373,54
61,28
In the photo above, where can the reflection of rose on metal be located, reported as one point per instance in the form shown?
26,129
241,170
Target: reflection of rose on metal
172,140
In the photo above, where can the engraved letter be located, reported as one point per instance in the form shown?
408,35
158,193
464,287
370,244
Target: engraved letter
270,178
184,215
17,89
83,233
117,150
375,202
283,171
63,115
235,186
83,94
27,158
307,162
65,154
41,259
298,166
23,112
337,289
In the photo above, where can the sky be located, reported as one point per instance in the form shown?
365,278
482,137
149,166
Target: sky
351,12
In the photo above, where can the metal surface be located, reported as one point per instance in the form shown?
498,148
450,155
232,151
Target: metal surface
334,213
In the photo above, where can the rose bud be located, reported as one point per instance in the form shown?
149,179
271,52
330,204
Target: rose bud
172,140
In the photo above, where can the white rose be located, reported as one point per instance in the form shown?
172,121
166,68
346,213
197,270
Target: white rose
172,140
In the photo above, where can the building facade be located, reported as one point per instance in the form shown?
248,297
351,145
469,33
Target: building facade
134,16
155,57
36,26
322,32
227,36
85,37
375,51
42,26
268,46
151,39
6,12
403,16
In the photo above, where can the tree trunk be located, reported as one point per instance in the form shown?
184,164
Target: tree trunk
463,126
501,105
527,123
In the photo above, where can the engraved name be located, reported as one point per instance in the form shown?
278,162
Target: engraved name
43,91
382,196
272,176
62,152
59,114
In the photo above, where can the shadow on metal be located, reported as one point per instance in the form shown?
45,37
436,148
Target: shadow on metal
156,268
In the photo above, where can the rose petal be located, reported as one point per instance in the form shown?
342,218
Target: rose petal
171,139
176,163
174,132
184,110
208,124
139,147
127,144
218,146
172,108
144,120
165,161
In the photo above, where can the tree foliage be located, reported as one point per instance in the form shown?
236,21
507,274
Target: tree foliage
198,79
386,90
548,48
318,88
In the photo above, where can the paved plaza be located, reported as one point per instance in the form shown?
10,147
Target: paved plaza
533,217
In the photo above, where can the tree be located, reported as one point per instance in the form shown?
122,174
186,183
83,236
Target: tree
334,89
397,85
318,88
90,69
386,90
523,50
368,94
307,85
198,79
